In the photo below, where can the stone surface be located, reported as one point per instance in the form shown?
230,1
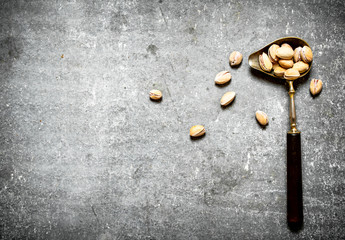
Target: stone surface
84,153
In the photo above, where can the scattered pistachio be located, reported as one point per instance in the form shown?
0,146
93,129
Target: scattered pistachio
235,58
222,77
197,131
155,94
227,98
261,117
315,86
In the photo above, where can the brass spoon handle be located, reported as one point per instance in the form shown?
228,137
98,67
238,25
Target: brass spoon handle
292,109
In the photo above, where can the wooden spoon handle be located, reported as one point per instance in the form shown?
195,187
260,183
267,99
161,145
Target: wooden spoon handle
294,181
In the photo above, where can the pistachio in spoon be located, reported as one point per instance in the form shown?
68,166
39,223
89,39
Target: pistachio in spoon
291,74
301,66
297,54
286,63
306,54
279,71
285,52
265,62
272,53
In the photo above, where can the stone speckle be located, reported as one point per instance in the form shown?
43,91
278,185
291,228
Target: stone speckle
86,155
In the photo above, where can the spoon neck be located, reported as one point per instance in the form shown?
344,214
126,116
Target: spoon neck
293,119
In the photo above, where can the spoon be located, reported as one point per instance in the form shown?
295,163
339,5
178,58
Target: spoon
294,169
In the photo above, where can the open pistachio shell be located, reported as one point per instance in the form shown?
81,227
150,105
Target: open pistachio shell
197,131
285,53
291,74
297,54
307,54
286,63
261,117
301,66
279,71
272,53
222,77
265,62
315,86
286,45
227,98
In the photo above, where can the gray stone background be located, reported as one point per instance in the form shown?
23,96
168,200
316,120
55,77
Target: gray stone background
85,154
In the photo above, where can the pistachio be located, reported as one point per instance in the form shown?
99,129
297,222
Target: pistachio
261,117
265,62
275,65
155,94
227,98
272,61
285,63
315,86
279,71
284,53
223,77
291,74
286,45
235,58
301,66
306,54
272,53
197,131
297,54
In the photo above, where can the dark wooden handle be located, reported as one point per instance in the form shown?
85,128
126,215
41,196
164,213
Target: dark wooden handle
294,181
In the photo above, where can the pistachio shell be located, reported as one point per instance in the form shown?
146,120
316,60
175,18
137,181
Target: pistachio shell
272,53
235,58
285,53
261,117
315,86
287,45
291,74
306,54
227,98
275,65
155,94
272,61
297,54
197,131
286,63
279,71
265,62
301,66
222,77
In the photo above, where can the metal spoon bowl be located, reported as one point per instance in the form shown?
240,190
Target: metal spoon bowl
294,42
